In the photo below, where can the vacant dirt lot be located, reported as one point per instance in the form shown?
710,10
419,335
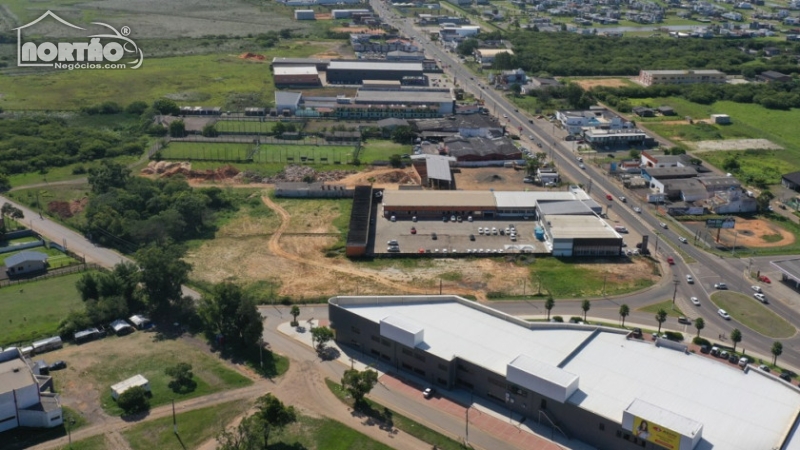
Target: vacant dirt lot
737,144
497,178
610,82
754,233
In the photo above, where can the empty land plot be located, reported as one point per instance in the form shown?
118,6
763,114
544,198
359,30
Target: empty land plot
95,366
213,151
588,83
33,310
244,126
752,314
317,215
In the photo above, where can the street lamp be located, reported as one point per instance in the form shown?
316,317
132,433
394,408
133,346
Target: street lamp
675,292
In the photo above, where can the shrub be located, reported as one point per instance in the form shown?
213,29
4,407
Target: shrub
575,319
557,319
674,336
134,400
701,341
78,170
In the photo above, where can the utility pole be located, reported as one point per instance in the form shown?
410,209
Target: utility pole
174,419
676,282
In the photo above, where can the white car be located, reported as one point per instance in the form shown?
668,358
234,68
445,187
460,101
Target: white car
582,166
637,209
695,301
724,314
494,230
663,225
480,230
689,279
760,297
682,239
757,289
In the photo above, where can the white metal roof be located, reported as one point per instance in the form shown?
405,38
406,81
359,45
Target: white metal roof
295,70
15,374
374,65
136,380
737,410
438,168
578,226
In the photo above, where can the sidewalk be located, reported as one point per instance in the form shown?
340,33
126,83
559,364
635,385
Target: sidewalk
483,414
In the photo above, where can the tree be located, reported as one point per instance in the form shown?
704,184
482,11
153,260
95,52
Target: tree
279,128
548,305
273,414
87,286
468,47
11,211
136,108
294,312
586,306
624,311
177,129
634,153
516,88
699,323
166,106
777,349
661,317
163,271
134,400
736,337
210,131
321,336
763,200
503,61
396,161
108,175
403,134
182,375
248,435
5,184
358,383
230,313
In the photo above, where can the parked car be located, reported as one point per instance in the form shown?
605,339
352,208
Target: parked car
732,358
720,286
452,218
764,279
413,230
392,242
757,289
684,320
428,392
764,367
393,249
743,361
724,354
433,236
471,237
760,297
785,377
695,301
480,230
724,314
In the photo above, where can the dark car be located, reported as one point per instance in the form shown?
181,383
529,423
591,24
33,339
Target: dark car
684,320
428,392
58,365
637,332
471,237
704,349
786,377
433,236
733,358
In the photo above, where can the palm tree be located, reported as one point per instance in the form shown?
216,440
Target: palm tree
777,349
586,306
699,323
624,311
661,317
295,311
548,305
736,337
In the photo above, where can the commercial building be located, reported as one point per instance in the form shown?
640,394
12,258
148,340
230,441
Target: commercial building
287,102
355,72
296,75
608,139
347,13
597,117
480,149
465,125
594,384
24,401
321,64
442,101
581,235
450,33
791,181
651,77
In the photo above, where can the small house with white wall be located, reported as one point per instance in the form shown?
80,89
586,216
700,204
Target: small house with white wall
134,381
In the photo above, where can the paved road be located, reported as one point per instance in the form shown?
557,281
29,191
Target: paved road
76,242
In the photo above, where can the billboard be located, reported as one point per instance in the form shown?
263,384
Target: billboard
728,222
656,434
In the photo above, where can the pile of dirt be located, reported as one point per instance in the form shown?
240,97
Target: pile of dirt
396,176
297,173
170,168
252,56
65,210
492,178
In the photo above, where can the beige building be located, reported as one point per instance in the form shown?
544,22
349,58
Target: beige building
296,75
487,55
651,77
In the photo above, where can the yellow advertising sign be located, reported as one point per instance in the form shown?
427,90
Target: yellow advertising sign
656,434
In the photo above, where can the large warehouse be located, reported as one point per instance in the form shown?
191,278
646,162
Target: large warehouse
355,72
443,101
296,75
599,385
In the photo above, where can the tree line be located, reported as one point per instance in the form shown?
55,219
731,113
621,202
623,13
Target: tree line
570,54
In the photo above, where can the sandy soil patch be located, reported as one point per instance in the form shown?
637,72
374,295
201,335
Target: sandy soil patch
609,82
750,233
497,178
736,144
366,30
384,178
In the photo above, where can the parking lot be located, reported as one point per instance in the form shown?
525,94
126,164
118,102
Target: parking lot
454,237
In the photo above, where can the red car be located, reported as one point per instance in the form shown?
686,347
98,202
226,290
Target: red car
609,197
413,230
765,279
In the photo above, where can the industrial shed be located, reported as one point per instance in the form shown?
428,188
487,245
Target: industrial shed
358,234
134,381
355,72
435,204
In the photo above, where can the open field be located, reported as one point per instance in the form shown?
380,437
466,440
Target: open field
752,314
600,276
588,83
214,80
220,151
60,173
666,305
244,126
194,428
95,366
323,434
33,310
93,443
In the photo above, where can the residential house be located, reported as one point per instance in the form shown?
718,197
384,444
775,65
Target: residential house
666,110
26,263
771,76
791,181
643,111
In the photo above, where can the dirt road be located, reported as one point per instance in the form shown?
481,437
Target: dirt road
276,249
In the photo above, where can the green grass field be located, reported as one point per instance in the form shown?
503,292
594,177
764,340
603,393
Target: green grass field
33,310
753,314
55,258
558,278
201,79
701,132
210,373
222,151
194,428
666,305
60,173
244,126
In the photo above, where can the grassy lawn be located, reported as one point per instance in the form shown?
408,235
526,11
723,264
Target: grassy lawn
322,434
311,215
767,164
403,423
207,79
666,305
753,314
702,131
93,443
33,310
194,428
244,126
37,198
381,150
558,277
55,258
210,373
61,173
222,151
